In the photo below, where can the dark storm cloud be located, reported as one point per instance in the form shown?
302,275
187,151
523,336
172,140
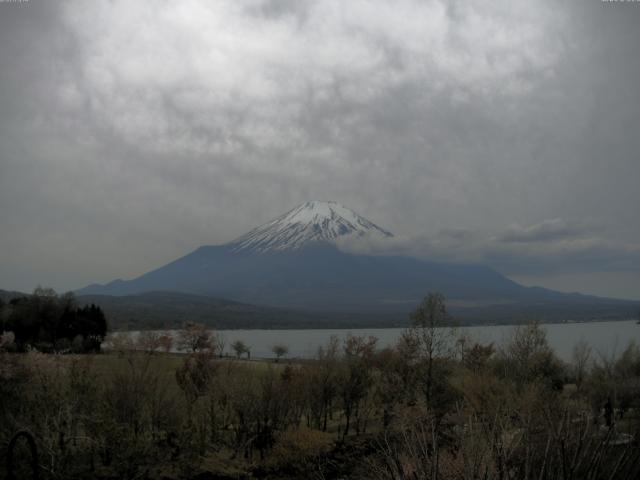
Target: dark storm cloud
133,132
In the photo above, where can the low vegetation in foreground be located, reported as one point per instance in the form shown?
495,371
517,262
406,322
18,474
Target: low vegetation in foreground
435,406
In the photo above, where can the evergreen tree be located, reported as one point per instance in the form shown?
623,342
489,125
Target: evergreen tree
50,322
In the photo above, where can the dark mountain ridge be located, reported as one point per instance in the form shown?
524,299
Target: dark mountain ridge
324,279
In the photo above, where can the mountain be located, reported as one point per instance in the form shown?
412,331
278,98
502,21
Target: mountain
168,310
292,262
162,310
8,295
171,310
309,223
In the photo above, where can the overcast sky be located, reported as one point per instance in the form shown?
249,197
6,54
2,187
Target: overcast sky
503,132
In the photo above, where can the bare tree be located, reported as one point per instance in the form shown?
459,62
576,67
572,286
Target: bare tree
478,355
322,383
279,351
195,337
356,379
581,357
196,374
527,356
148,342
239,347
120,342
431,331
220,343
409,452
166,342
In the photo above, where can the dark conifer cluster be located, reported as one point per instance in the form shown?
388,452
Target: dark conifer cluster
50,322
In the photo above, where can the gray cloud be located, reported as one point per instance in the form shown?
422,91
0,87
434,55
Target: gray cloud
550,247
552,229
132,133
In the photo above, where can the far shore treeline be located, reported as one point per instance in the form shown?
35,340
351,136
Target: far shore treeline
48,322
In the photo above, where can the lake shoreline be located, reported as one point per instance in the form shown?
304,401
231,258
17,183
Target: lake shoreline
604,336
390,325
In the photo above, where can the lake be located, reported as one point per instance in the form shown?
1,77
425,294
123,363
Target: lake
605,338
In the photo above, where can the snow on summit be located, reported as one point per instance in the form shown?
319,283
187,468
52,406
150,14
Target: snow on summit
308,223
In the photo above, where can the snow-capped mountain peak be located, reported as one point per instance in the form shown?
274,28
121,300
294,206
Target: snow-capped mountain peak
308,223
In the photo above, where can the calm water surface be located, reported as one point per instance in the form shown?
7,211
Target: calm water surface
604,337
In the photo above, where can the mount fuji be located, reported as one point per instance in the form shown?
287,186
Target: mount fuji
293,262
309,223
